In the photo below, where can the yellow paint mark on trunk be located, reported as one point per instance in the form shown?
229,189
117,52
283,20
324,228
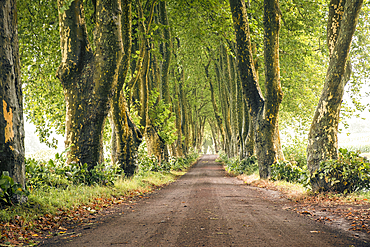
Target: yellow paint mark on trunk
9,133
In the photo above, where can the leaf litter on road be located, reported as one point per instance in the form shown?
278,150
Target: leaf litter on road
323,207
19,232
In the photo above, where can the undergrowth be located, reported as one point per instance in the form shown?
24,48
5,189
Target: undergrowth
54,185
236,166
41,201
349,173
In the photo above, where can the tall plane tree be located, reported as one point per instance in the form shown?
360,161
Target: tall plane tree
322,139
127,136
89,78
11,109
264,111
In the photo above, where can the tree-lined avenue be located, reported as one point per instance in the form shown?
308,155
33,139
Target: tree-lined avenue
206,207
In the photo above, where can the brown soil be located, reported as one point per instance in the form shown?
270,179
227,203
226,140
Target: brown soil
206,207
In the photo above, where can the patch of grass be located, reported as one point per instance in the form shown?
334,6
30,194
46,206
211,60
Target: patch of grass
297,192
48,201
178,173
143,182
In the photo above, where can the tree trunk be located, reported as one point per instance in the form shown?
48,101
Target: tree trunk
127,136
233,96
224,109
165,90
144,93
241,118
200,133
250,144
264,112
214,105
226,99
184,117
177,108
277,143
88,79
11,106
322,139
214,136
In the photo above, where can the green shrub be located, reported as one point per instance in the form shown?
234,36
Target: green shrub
150,163
10,192
349,173
180,164
222,157
289,172
246,166
56,173
104,174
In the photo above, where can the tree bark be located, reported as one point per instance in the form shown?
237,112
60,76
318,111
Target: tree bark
214,135
127,136
167,45
226,99
224,108
250,144
88,79
214,104
322,139
233,96
264,112
11,101
185,117
177,108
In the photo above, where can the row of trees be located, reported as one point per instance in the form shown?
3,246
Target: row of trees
168,72
322,142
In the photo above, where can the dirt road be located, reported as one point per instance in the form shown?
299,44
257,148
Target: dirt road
207,208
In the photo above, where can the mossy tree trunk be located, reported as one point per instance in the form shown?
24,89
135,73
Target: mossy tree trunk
218,116
263,111
177,107
215,138
127,136
226,99
11,106
179,146
89,79
155,143
167,52
185,127
322,139
224,107
233,97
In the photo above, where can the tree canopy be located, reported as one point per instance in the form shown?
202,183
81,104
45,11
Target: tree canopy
179,74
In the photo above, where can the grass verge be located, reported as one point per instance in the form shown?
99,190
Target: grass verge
51,210
298,193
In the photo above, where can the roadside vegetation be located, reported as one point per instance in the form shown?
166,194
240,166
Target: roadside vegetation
349,173
57,193
349,177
